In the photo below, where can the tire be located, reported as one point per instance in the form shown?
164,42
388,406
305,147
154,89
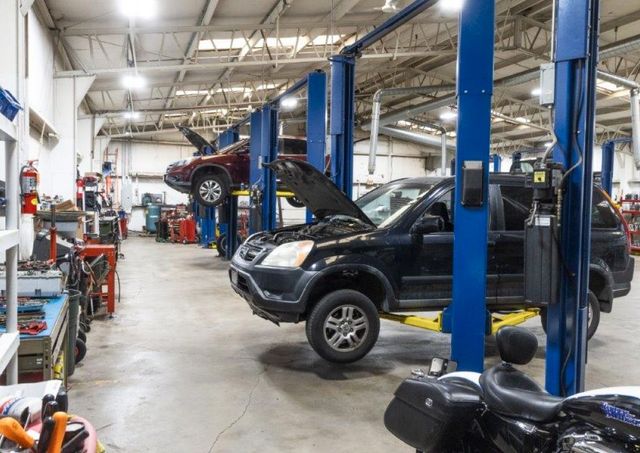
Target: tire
80,350
85,327
221,244
293,201
210,190
593,321
82,336
342,309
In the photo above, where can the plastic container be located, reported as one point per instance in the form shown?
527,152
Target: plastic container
9,105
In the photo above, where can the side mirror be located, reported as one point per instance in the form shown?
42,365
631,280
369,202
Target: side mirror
428,224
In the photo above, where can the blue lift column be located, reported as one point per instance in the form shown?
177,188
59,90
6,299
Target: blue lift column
608,155
474,90
497,163
343,93
268,153
228,137
316,122
576,55
255,172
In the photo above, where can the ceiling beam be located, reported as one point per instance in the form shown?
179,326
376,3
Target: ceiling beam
227,65
205,19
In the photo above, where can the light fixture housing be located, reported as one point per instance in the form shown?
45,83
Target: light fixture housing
289,103
448,115
131,115
133,81
451,6
138,9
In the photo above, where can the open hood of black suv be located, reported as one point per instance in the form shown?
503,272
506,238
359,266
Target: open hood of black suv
197,140
315,190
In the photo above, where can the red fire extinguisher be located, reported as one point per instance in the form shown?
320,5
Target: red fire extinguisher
29,180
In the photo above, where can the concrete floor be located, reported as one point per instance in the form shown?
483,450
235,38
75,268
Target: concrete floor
186,367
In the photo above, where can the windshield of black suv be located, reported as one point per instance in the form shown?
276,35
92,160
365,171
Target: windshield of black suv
387,203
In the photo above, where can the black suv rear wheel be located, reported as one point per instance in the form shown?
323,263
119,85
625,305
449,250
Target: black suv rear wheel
343,326
593,319
210,190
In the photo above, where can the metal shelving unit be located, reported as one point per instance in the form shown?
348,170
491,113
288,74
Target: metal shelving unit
9,241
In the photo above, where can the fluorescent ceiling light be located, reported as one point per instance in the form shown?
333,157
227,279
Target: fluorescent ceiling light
451,6
289,103
536,91
404,123
548,144
216,111
283,41
232,89
448,115
144,9
192,92
609,86
522,119
173,115
133,82
326,40
130,115
266,86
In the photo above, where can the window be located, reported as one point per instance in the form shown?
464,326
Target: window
443,207
517,201
292,146
602,213
387,203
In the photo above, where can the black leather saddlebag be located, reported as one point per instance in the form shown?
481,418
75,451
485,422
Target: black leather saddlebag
430,414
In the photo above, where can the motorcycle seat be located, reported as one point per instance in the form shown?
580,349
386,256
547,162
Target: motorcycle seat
510,392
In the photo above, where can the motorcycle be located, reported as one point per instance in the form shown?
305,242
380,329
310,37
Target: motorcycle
503,410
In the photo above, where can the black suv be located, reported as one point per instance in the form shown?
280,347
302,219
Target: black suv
384,253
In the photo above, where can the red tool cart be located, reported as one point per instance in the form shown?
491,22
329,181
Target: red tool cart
183,230
108,294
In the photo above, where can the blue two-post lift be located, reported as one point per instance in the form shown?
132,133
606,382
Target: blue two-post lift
576,56
263,144
468,316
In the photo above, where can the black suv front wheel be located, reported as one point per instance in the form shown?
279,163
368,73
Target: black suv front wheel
343,326
210,190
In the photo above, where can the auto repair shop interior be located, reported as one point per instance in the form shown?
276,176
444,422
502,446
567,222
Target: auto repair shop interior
319,226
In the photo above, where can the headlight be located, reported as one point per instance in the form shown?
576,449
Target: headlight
291,254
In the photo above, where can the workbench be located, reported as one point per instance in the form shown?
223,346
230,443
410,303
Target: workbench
38,354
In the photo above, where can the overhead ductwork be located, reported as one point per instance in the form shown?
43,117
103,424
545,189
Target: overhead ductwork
374,125
421,139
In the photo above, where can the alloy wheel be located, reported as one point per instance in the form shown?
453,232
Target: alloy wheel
345,328
210,191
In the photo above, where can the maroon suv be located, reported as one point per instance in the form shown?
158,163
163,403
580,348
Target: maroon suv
211,178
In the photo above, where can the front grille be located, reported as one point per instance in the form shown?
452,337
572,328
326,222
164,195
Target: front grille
249,252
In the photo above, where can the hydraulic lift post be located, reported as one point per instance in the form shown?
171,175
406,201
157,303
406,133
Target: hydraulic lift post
576,56
474,90
316,122
343,93
608,155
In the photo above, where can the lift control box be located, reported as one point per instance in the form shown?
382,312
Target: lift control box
472,183
542,260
